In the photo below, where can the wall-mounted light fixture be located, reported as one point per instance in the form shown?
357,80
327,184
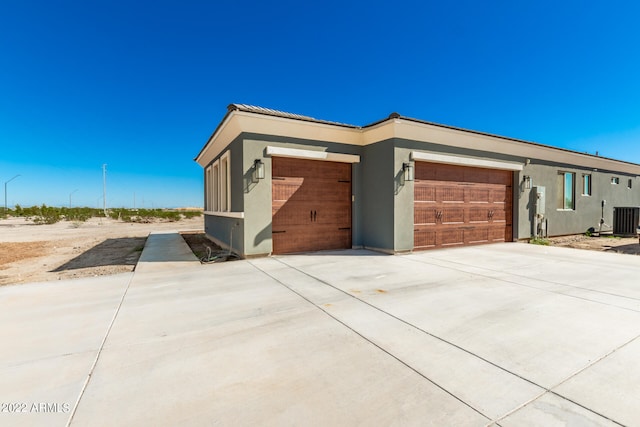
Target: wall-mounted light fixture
407,168
258,170
527,182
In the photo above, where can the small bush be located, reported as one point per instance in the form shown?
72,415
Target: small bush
191,214
539,241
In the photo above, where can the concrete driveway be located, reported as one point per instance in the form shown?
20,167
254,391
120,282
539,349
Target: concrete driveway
506,334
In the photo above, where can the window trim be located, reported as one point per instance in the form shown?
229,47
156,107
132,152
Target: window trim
216,185
208,180
564,207
219,184
587,184
225,182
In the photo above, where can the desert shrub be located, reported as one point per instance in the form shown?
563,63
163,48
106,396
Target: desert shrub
539,241
47,215
191,214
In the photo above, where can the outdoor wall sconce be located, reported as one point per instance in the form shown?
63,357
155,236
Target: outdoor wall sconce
527,182
407,168
258,170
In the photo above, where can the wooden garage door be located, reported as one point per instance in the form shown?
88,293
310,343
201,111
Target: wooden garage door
456,205
311,205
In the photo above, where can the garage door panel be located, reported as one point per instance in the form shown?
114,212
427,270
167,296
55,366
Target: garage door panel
450,194
478,195
479,215
477,235
450,237
424,239
424,215
449,173
289,214
303,239
450,215
286,188
425,192
301,168
498,215
497,234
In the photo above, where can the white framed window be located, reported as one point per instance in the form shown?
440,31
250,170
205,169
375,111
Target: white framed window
565,191
586,184
216,184
208,188
225,182
630,183
615,180
218,177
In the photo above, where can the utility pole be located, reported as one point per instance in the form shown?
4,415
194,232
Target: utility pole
104,188
5,192
70,194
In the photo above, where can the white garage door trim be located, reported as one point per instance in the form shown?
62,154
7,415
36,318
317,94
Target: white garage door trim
312,155
465,161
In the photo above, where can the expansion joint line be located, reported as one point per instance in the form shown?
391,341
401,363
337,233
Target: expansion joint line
529,286
387,352
95,361
492,422
411,325
551,389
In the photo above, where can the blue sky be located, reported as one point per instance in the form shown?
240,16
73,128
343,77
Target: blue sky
140,85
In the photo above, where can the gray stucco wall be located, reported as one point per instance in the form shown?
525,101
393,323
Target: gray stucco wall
219,227
378,182
224,230
588,209
403,202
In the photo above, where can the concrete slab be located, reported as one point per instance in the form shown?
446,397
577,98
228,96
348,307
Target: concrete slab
506,335
241,349
551,410
483,386
52,332
611,387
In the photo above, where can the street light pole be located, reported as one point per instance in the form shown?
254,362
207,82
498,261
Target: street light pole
5,192
70,197
104,188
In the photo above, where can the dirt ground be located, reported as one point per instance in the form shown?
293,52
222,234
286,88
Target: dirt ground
66,250
608,243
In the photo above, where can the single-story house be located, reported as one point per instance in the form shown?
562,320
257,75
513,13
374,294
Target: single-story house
278,182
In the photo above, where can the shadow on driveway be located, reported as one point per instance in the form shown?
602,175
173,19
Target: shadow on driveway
122,251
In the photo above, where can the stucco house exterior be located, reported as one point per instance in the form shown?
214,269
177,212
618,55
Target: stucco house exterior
277,182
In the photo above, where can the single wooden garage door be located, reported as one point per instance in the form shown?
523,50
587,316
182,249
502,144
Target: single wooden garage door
311,205
456,205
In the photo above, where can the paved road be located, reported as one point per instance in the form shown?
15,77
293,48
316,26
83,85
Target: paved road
506,334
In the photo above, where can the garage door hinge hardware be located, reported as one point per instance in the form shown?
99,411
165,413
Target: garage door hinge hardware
279,231
343,180
312,215
277,178
344,228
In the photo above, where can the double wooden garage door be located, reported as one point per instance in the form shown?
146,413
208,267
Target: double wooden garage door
456,205
311,205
